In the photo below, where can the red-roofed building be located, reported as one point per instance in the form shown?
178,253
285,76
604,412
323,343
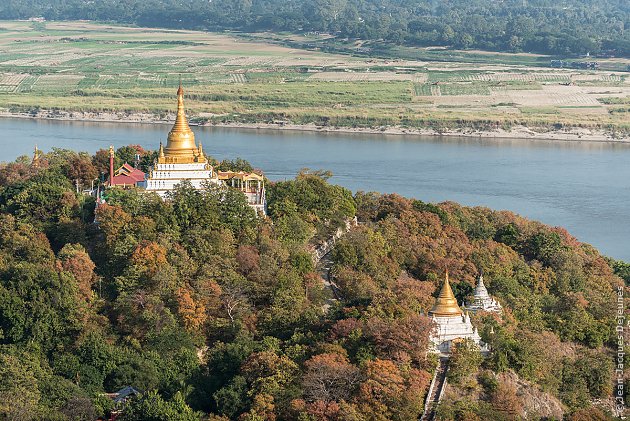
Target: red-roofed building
125,176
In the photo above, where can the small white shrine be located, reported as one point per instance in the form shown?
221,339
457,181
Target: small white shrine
482,300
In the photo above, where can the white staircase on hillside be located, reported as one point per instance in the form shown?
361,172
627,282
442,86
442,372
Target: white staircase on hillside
435,391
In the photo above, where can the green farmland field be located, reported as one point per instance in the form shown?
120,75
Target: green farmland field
92,67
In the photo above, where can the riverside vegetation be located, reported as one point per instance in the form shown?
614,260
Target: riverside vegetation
567,27
128,74
216,314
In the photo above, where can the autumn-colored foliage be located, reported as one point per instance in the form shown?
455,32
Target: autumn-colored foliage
74,259
112,220
193,313
81,169
403,340
208,308
505,401
329,377
389,392
248,259
149,257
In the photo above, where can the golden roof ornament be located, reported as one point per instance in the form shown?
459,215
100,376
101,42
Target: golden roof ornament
161,152
446,303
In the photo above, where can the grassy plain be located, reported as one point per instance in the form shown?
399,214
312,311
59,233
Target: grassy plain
236,78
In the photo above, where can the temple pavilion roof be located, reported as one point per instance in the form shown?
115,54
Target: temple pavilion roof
241,175
127,175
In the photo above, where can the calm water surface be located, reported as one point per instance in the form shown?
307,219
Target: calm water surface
582,186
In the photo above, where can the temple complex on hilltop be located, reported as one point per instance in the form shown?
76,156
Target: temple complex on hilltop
184,159
482,300
452,324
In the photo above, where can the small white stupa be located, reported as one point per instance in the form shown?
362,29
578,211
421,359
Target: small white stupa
482,300
452,324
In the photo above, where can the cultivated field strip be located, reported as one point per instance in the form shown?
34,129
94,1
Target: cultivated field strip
45,60
238,78
368,76
559,77
520,77
57,81
10,82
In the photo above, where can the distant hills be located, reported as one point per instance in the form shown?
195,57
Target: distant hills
561,28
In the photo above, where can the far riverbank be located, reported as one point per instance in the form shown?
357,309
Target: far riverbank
574,134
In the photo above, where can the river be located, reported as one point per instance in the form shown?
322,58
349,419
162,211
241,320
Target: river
582,186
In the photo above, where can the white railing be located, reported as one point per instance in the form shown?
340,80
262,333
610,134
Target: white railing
324,248
430,404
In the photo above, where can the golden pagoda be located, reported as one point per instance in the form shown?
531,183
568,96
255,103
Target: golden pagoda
35,161
451,324
180,146
446,303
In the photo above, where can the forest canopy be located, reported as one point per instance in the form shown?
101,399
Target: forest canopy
561,28
207,309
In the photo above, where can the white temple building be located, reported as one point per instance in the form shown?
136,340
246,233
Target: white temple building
452,324
482,300
182,159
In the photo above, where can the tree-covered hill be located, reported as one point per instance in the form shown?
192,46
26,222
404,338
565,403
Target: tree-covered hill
207,309
564,28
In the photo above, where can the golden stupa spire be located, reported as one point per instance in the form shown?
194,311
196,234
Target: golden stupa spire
35,156
446,303
180,147
161,151
181,123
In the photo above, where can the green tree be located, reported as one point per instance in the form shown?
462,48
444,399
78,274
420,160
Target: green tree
464,362
152,407
19,390
238,164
